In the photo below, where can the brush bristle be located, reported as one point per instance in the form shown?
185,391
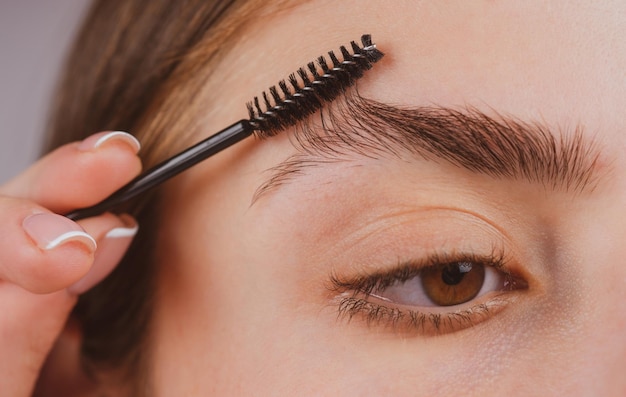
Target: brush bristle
305,91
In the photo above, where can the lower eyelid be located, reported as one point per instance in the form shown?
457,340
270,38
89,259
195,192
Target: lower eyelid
433,321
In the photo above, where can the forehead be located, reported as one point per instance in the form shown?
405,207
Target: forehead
561,63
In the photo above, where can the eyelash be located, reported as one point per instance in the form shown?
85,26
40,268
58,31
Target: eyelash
357,296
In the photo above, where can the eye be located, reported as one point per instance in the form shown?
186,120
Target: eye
439,295
446,284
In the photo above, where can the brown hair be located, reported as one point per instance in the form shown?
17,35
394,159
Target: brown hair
138,66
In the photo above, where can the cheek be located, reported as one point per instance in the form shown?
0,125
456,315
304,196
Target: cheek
600,253
224,310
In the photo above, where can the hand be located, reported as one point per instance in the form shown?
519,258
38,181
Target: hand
46,260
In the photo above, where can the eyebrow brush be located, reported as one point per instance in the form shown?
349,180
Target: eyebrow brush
297,97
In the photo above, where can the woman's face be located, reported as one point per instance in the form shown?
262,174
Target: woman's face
518,172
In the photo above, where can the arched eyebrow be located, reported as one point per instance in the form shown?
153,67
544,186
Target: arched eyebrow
498,146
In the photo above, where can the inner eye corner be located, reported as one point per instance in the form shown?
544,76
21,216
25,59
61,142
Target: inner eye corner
518,283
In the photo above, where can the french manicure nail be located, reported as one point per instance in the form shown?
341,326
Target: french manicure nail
110,252
49,231
97,140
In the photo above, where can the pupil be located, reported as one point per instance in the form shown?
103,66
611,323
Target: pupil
452,274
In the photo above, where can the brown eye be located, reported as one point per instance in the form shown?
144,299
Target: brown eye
446,283
452,283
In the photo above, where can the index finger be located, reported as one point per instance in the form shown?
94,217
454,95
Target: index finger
79,174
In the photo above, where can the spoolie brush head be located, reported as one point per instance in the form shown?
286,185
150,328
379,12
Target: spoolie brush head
305,91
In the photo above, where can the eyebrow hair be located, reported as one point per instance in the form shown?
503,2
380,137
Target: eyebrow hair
498,146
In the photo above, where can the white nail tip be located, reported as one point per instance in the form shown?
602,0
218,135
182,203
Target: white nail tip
119,134
72,236
121,232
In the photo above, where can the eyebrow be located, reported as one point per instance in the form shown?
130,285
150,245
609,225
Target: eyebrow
499,146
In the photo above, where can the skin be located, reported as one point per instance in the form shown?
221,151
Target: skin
243,306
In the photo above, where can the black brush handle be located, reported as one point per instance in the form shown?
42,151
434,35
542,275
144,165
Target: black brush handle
169,168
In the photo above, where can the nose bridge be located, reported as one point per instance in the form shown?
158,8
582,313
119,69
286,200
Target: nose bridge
605,285
607,356
616,313
604,360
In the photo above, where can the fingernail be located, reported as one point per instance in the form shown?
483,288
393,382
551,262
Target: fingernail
111,250
97,140
51,230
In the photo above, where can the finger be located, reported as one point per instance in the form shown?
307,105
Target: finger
40,251
79,174
30,323
44,252
114,235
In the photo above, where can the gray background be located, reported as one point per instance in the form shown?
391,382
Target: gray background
34,37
